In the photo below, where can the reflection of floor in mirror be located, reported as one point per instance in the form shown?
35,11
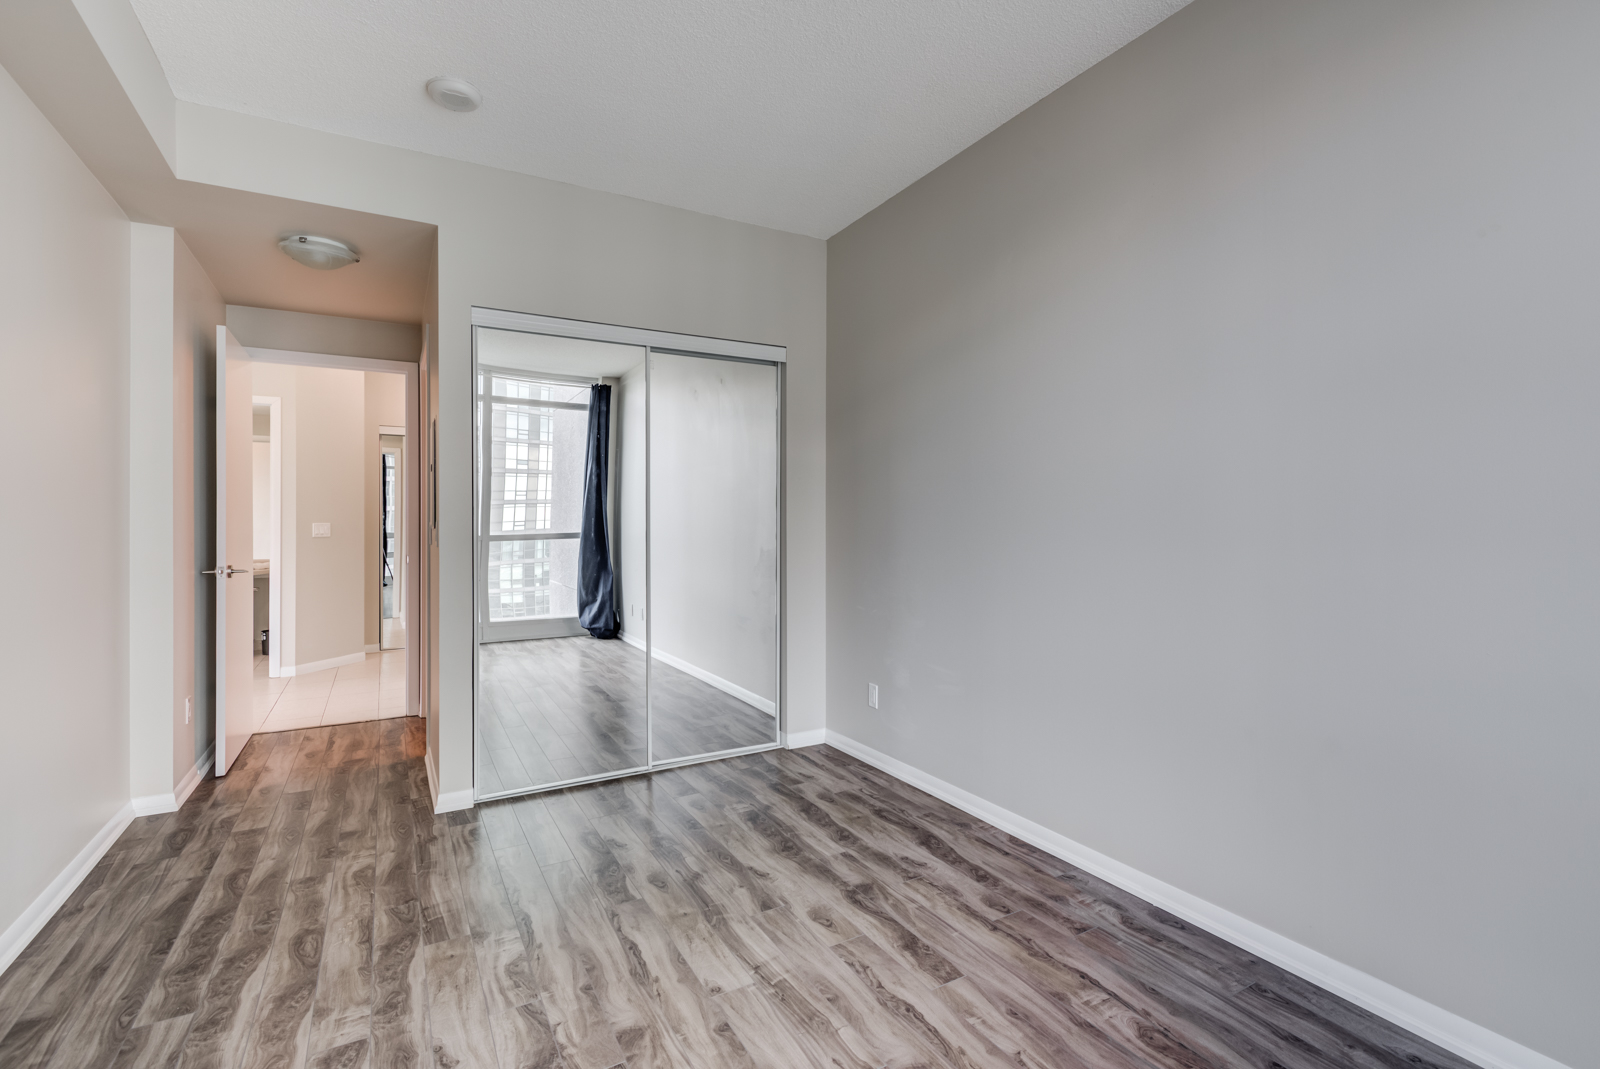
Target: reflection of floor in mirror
560,708
371,689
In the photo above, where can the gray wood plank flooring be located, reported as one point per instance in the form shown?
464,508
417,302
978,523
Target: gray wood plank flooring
556,709
784,909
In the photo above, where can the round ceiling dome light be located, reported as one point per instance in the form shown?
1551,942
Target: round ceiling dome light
324,254
456,94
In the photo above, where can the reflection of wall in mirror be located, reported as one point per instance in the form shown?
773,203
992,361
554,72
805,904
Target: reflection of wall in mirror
629,420
323,456
714,521
569,448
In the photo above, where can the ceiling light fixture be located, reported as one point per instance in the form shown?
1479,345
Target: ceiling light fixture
324,254
457,94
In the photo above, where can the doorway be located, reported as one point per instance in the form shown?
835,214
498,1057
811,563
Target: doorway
332,568
391,539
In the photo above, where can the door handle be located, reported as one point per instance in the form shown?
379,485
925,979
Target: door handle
227,571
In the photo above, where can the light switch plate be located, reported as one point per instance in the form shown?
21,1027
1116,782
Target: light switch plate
322,530
872,695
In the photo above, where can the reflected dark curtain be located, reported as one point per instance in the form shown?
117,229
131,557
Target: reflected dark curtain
597,609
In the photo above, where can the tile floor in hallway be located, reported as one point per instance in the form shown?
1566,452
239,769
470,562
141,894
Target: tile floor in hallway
373,689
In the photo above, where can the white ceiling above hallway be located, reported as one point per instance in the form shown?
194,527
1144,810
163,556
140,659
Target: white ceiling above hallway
797,115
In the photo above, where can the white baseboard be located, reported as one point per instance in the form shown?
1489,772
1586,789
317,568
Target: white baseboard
322,666
192,778
794,740
749,697
22,930
149,804
527,630
373,647
1433,1023
448,801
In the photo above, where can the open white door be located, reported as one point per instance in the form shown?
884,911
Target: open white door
236,715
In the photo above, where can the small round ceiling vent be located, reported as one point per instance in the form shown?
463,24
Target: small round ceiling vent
457,94
324,254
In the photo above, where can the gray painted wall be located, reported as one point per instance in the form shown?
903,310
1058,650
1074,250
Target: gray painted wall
1212,479
713,518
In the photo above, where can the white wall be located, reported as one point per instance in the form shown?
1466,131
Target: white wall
282,381
153,685
514,242
261,500
64,324
1214,452
323,580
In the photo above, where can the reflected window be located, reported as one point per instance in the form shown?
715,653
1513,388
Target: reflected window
534,487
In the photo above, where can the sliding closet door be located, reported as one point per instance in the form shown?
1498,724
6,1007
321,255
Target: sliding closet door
713,554
561,683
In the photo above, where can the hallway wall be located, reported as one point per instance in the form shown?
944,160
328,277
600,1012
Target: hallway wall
64,328
1213,483
173,321
324,481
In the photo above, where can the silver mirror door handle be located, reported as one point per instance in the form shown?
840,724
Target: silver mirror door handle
227,571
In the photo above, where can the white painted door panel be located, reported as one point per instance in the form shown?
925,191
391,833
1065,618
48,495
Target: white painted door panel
236,716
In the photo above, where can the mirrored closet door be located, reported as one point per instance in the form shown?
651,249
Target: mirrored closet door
628,517
713,554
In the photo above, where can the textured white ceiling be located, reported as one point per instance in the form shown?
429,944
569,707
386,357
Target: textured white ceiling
792,114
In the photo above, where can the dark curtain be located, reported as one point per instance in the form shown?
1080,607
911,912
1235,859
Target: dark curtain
597,609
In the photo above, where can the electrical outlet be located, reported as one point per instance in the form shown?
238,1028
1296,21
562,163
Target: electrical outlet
322,530
188,709
872,695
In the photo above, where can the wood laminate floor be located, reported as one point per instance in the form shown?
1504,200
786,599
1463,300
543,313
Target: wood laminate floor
785,910
556,709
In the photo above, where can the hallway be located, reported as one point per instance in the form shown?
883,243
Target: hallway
374,689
